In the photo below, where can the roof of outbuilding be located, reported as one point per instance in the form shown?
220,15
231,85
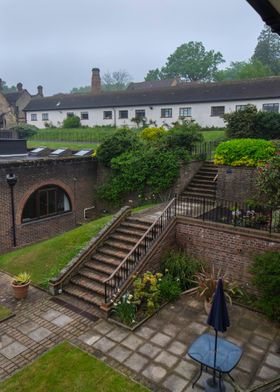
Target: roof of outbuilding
153,84
188,93
12,97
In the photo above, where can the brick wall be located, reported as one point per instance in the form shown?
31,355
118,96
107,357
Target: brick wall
231,249
236,183
77,176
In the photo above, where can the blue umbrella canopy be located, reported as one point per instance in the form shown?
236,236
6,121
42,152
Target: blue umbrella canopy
218,316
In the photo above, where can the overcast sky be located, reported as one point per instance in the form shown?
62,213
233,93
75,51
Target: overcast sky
56,42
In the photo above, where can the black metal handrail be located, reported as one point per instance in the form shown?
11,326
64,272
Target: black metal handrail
259,217
205,150
131,261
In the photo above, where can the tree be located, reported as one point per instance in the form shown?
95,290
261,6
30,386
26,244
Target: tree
80,90
243,70
191,62
7,89
116,81
154,74
267,50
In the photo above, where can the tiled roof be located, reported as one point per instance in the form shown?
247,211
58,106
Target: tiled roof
12,97
152,84
188,93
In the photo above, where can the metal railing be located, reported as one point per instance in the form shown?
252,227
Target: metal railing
131,261
259,217
205,150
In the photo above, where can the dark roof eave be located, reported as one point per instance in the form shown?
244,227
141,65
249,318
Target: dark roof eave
153,104
268,13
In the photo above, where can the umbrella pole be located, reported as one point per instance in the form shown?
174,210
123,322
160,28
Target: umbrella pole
215,357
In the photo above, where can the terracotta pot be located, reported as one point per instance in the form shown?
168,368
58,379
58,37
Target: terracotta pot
20,291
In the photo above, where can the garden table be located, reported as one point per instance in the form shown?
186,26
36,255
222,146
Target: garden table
202,351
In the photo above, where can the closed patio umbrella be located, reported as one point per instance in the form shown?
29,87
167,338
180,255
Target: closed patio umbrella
218,318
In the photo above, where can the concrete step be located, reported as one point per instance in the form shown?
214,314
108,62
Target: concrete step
195,195
128,238
139,221
119,245
129,231
204,182
201,190
134,226
106,259
83,294
88,284
95,276
100,267
115,252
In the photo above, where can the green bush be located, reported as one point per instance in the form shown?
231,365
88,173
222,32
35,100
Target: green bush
134,170
72,122
266,278
268,180
25,131
125,310
170,288
183,135
247,152
251,123
121,141
180,266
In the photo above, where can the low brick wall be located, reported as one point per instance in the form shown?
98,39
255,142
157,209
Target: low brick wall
236,183
229,248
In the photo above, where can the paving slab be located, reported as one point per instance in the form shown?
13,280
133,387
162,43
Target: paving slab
62,321
104,344
5,340
273,360
90,337
177,348
166,359
145,332
39,334
161,339
103,327
13,350
50,315
132,342
186,369
118,334
149,350
136,362
154,372
28,327
175,383
120,353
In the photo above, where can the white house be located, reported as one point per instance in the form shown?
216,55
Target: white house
203,102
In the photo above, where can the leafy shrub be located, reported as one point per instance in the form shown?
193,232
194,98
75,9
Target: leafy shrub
72,122
183,135
251,123
268,180
125,309
147,291
25,131
247,152
152,134
122,141
180,266
170,288
266,278
134,170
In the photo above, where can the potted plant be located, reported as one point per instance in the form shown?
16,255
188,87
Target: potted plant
20,285
206,282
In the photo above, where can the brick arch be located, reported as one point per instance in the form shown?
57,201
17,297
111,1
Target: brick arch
33,188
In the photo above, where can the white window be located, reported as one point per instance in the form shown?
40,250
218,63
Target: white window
166,113
185,112
140,113
123,113
84,115
107,115
33,117
45,116
240,107
217,111
271,107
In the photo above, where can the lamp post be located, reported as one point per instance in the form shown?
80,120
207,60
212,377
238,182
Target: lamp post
11,181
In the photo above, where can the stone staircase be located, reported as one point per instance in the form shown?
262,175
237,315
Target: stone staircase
88,283
203,184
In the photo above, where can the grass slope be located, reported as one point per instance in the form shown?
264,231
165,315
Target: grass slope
67,369
96,134
45,259
213,135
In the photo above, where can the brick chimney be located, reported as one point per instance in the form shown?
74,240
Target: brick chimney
1,84
40,91
95,81
19,87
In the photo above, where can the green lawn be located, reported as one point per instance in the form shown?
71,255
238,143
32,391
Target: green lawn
45,259
53,145
65,368
213,135
4,312
94,135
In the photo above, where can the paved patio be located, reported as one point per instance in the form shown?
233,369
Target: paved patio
154,354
